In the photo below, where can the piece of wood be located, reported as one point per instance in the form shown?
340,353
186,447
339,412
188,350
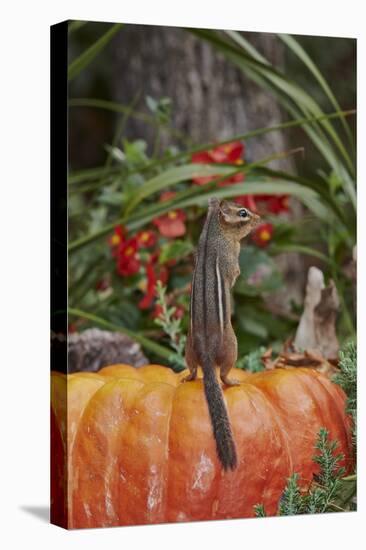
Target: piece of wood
317,327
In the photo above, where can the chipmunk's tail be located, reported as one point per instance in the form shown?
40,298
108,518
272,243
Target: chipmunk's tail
219,418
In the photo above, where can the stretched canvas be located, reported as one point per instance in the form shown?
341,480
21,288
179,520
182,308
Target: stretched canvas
203,344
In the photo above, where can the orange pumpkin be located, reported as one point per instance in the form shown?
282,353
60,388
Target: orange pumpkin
140,449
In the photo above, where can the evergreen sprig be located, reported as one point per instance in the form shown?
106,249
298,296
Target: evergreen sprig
259,511
253,361
321,495
347,379
327,460
172,327
291,501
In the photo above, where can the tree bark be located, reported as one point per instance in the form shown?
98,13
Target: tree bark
212,99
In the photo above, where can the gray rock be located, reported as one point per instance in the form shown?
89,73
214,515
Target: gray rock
94,348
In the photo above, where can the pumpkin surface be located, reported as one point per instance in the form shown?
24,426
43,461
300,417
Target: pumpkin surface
135,446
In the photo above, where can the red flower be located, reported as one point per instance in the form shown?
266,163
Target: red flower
153,275
146,239
263,234
278,203
230,153
128,262
171,224
117,238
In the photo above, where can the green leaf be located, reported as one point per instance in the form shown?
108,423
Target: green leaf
161,108
135,151
88,55
175,250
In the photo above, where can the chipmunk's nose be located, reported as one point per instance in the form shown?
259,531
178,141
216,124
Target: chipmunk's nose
257,219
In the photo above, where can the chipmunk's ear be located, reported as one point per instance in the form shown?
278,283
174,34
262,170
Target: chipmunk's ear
228,212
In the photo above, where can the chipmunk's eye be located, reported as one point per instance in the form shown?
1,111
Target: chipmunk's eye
243,213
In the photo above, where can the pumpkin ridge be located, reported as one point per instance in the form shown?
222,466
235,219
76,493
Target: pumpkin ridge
94,414
280,381
277,417
341,416
70,442
167,454
281,432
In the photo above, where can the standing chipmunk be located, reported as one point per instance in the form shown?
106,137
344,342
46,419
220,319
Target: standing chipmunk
211,339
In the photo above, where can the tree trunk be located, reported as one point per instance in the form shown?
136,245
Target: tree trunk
212,99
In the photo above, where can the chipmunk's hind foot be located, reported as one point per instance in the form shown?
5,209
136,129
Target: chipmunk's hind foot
191,376
229,381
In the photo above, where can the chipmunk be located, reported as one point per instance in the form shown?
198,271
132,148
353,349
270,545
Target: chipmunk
211,339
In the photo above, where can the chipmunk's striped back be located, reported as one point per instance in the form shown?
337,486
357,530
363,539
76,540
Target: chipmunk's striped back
208,294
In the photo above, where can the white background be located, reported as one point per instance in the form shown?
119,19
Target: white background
24,261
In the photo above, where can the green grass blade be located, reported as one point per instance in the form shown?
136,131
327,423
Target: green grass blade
88,55
301,249
146,343
91,174
75,25
299,51
173,176
110,106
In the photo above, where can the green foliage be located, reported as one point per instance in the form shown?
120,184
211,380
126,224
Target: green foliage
347,379
259,273
253,361
175,250
161,108
328,490
327,460
172,328
291,501
259,511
